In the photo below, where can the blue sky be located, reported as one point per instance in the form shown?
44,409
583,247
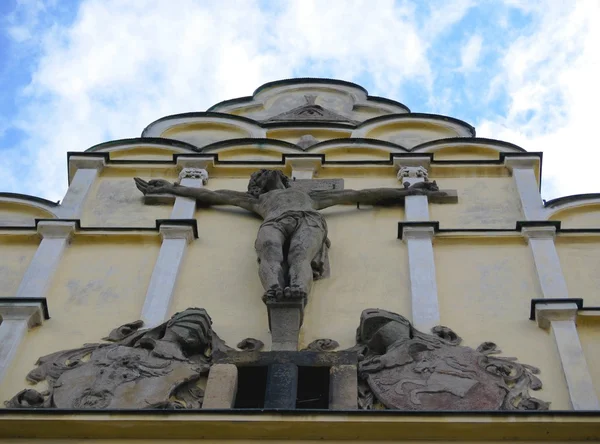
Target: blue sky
78,72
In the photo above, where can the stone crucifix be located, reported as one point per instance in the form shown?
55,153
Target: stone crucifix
292,241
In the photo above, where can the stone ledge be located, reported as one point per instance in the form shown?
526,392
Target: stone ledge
417,229
311,425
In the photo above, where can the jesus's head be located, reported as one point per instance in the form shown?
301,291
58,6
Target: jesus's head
264,181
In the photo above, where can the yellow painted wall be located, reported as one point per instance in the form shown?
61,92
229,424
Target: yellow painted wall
588,328
483,202
369,268
409,134
144,153
587,216
15,255
292,135
15,214
485,289
114,201
100,284
580,262
219,272
202,134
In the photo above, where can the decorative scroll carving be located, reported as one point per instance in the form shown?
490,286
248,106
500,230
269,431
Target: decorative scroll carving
412,171
292,244
152,368
322,345
310,112
403,368
194,173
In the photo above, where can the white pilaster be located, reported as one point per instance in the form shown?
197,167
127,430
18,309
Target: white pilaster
83,172
175,239
523,172
38,277
547,263
560,318
15,319
165,273
423,286
419,241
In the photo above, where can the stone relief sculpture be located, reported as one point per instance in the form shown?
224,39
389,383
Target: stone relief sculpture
292,243
137,369
403,368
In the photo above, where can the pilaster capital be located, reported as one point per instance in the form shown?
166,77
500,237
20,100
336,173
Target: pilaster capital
30,311
546,313
203,163
418,232
176,231
412,172
538,232
413,161
521,162
304,164
194,173
56,229
88,162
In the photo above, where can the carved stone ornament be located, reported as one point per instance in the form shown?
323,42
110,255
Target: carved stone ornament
405,369
310,112
412,171
139,369
194,173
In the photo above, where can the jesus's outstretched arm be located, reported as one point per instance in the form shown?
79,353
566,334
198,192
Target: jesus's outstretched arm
373,196
202,195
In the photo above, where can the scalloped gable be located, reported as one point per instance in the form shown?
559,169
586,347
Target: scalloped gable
334,100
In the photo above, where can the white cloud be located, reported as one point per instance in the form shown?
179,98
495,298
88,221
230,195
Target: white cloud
121,65
551,79
469,54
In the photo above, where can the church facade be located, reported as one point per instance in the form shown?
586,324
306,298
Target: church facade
306,263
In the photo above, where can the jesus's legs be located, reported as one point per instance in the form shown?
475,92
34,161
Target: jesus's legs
269,248
304,246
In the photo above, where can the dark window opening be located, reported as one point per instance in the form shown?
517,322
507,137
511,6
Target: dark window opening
313,388
252,384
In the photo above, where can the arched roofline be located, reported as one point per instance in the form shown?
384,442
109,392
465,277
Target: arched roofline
249,141
564,203
27,200
389,146
113,145
313,80
409,116
200,114
493,143
307,124
306,80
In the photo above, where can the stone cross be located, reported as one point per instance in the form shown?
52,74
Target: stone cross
290,210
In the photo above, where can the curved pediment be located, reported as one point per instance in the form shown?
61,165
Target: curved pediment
251,150
474,148
22,209
575,211
310,99
356,149
411,130
143,148
203,128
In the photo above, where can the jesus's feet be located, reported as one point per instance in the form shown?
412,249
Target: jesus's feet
274,293
294,292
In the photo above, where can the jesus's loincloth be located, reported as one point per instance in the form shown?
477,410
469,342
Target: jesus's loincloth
291,221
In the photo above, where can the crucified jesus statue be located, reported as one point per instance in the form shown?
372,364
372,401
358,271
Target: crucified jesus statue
292,241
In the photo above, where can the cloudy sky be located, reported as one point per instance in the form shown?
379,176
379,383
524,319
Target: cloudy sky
74,73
